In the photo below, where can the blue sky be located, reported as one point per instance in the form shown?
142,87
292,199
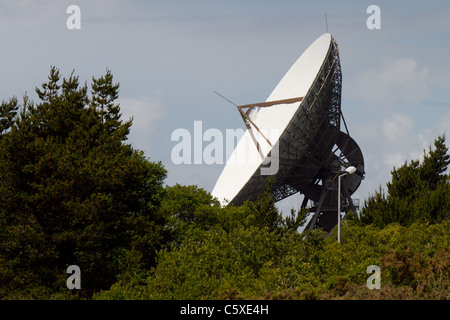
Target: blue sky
169,56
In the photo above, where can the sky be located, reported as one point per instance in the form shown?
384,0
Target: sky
169,56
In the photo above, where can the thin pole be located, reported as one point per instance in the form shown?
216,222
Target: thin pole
226,99
349,170
339,208
326,21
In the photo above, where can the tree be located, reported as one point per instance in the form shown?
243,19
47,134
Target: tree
255,263
8,111
419,191
190,207
263,212
435,164
72,191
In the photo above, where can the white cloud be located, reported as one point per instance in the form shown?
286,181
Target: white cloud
397,81
444,125
389,142
397,128
395,141
146,112
402,142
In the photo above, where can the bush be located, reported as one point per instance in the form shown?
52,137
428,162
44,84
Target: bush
253,263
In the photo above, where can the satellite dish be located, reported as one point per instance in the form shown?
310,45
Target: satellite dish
296,136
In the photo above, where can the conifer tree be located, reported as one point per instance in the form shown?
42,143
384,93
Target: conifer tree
418,192
8,111
72,191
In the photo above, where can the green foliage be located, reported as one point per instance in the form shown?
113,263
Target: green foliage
263,210
254,263
250,260
8,111
419,191
263,213
72,191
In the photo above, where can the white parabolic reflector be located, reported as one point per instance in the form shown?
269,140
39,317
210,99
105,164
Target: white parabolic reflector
246,160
